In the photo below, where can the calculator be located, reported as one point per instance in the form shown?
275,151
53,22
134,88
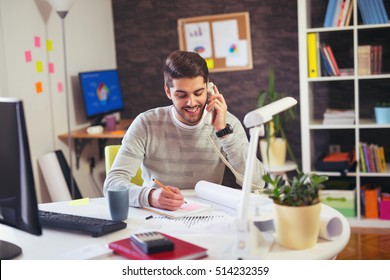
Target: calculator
152,242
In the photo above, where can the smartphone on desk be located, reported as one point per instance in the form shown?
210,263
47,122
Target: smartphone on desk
209,116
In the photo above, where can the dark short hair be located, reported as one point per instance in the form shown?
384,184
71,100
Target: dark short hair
183,64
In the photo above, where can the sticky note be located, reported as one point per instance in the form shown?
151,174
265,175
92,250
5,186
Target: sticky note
38,87
37,41
51,68
81,201
60,87
190,207
49,45
210,63
27,56
39,66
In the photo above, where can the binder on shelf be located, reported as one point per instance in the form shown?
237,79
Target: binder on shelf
371,201
312,55
183,250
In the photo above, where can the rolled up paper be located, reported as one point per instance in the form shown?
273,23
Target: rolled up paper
218,194
54,177
224,195
331,227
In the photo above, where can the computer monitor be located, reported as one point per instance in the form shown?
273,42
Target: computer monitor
18,203
101,93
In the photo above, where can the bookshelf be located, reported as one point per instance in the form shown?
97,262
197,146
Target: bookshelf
350,91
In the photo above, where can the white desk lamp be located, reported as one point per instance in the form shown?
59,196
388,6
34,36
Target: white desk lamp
249,237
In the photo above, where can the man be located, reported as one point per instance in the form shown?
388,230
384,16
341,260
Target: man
172,143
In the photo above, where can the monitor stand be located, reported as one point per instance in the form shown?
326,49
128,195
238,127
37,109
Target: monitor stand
8,250
98,121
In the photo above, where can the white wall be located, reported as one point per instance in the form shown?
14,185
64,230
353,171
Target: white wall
90,45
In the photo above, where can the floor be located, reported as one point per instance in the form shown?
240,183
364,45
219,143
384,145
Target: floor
367,244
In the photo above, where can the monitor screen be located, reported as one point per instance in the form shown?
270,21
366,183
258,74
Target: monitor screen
101,92
18,203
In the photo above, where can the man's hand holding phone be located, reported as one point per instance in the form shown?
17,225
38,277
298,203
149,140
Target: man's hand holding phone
217,106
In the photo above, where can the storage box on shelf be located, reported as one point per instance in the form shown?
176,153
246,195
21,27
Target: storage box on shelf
354,89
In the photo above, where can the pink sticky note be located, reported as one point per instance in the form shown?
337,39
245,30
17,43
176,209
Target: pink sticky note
51,68
27,56
59,87
37,41
190,207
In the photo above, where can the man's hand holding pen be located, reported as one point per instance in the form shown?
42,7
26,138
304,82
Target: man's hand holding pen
167,197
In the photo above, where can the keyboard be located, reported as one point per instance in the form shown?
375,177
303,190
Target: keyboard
94,226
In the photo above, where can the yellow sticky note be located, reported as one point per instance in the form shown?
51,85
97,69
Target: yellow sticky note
38,87
39,66
81,201
49,45
210,63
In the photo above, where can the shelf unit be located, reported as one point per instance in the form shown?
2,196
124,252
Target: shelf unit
352,92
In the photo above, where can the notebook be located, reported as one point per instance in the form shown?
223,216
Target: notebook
183,250
187,209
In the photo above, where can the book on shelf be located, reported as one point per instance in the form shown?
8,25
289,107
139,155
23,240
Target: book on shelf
339,116
330,59
183,250
372,158
329,50
330,12
338,13
327,69
373,11
370,59
384,15
349,15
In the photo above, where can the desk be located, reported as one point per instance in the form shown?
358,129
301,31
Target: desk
52,243
81,137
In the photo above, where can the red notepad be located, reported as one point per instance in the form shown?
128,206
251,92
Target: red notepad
183,250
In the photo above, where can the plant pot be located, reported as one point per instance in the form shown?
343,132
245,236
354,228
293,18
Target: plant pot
382,115
297,227
277,152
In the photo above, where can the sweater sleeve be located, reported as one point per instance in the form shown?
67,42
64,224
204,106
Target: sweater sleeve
126,164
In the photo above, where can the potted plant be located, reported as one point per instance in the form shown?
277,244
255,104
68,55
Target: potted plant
297,208
382,113
275,146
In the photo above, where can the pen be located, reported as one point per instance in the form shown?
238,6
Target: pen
164,187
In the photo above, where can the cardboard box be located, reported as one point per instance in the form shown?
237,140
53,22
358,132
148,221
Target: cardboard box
342,200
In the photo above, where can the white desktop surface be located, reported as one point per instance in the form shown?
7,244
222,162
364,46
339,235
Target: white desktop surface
54,243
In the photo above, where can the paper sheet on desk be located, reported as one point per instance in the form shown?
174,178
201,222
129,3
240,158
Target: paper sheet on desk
213,223
190,208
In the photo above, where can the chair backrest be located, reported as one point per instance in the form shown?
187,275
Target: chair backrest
110,154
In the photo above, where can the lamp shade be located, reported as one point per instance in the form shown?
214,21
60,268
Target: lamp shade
61,6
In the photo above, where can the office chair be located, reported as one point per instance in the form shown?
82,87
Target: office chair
110,154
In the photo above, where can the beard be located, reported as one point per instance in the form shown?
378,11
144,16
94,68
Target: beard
190,115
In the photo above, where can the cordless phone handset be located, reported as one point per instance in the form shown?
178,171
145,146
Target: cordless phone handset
208,116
